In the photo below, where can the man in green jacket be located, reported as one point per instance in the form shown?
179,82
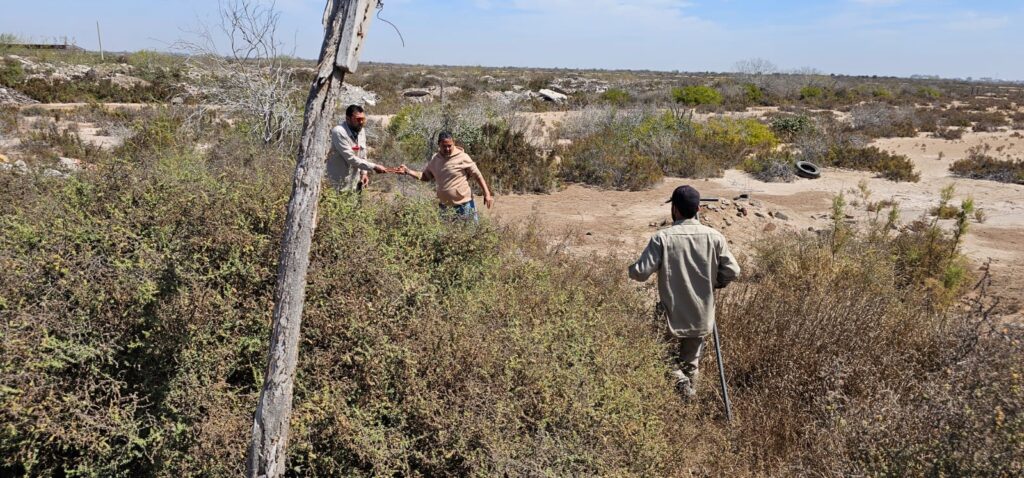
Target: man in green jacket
691,260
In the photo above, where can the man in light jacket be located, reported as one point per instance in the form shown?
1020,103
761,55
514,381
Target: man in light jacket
347,166
691,260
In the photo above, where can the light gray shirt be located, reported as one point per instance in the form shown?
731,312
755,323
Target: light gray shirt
347,157
691,260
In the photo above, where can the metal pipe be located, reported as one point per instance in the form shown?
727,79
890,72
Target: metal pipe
721,373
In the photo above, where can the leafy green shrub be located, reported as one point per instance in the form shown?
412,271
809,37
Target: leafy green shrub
895,167
980,164
929,92
697,95
811,92
788,127
616,96
11,73
135,336
753,94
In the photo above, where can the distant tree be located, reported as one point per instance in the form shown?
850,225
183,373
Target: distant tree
755,67
251,75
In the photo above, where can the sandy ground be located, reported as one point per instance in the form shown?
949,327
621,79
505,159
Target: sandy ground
620,222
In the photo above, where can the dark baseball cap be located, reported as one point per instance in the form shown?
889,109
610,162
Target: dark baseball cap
686,199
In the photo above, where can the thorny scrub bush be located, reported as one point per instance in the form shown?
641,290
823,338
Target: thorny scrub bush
949,133
775,166
490,134
895,167
511,162
787,126
980,164
839,368
632,151
135,308
879,120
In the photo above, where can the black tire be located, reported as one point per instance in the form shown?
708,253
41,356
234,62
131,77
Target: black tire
807,169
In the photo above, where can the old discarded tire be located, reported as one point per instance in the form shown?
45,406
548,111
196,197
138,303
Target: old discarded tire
809,170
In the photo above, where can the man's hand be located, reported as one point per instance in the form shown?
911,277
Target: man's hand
488,201
403,169
364,179
379,169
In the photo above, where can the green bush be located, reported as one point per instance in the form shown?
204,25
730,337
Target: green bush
616,96
137,304
11,74
753,94
697,95
628,153
811,92
929,92
788,127
894,167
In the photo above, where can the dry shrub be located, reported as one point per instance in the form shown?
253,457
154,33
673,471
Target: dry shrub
840,366
895,167
511,163
879,120
949,133
981,164
988,121
771,167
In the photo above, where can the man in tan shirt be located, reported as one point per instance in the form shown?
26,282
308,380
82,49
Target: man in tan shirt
691,260
450,169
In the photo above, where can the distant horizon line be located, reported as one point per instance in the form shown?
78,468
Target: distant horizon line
916,76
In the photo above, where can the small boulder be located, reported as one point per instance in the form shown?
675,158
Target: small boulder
554,96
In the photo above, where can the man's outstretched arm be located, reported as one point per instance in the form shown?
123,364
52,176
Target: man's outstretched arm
649,261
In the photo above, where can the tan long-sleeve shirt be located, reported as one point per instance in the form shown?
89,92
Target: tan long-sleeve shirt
451,176
691,260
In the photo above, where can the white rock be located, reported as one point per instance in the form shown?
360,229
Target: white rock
70,164
552,95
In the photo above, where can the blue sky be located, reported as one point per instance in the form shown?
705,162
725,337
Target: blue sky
952,38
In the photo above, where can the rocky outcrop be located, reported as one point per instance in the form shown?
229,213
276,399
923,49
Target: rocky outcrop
12,97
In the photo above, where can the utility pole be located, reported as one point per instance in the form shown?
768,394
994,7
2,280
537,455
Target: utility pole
345,26
99,39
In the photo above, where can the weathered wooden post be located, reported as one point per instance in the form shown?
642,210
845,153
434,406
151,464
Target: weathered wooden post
345,26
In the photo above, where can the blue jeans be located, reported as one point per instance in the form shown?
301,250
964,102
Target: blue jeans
465,211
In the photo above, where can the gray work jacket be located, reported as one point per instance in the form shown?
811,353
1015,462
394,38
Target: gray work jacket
691,260
347,157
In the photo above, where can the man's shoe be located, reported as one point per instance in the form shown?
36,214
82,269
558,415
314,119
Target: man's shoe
684,385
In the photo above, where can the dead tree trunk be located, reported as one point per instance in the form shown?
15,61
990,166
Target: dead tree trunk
268,451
